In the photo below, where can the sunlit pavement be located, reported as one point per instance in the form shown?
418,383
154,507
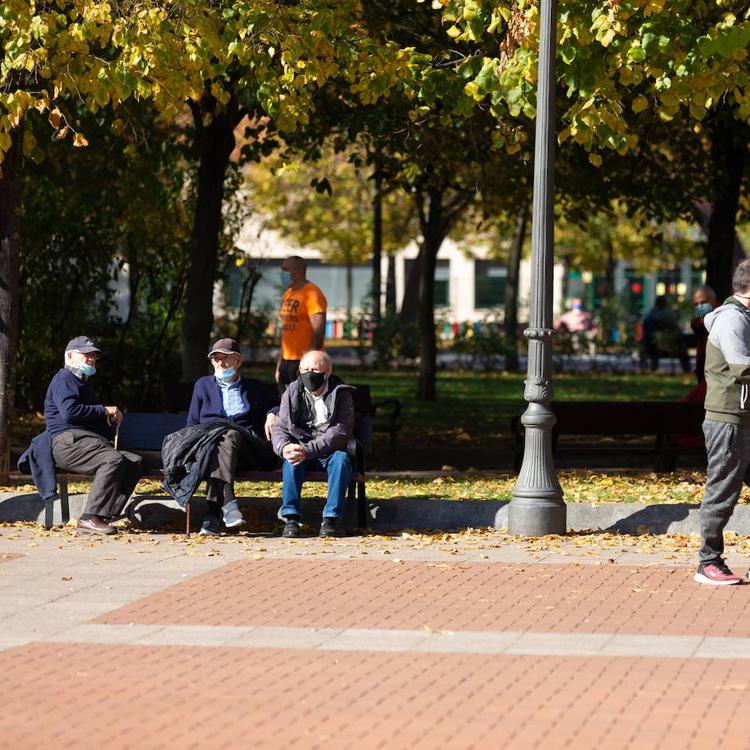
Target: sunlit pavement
471,640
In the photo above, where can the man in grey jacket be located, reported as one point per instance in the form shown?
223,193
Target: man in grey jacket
727,424
314,425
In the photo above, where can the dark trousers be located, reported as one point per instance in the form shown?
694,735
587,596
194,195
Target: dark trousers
728,448
116,473
232,452
288,373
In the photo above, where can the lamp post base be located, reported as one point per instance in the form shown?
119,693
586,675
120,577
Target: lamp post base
537,516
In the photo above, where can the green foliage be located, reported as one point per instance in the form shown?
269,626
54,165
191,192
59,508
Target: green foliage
615,58
327,204
86,215
483,344
619,234
393,341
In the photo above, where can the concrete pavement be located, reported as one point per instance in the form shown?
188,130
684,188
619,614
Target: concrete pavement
472,640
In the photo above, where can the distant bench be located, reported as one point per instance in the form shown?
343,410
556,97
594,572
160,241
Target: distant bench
667,422
144,432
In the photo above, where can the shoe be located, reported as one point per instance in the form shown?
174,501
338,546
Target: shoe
233,517
329,527
292,529
94,525
210,526
716,574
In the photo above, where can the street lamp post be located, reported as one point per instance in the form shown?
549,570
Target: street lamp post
536,506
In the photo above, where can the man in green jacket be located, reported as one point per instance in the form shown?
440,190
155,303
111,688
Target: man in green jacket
727,424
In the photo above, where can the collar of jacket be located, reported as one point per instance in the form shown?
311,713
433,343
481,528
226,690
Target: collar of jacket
300,407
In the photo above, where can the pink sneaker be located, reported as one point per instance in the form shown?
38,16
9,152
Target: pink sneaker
716,574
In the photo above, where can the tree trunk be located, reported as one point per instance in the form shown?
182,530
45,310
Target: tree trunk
215,143
609,271
349,290
410,300
511,290
377,240
433,234
729,143
390,286
10,235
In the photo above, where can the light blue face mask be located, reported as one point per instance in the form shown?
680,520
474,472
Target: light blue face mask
87,369
286,278
228,374
703,309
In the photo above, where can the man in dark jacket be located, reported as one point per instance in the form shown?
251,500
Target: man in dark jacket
314,425
727,424
226,395
80,429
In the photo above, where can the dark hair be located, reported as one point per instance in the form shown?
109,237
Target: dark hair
741,276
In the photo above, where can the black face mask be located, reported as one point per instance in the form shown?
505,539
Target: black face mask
313,381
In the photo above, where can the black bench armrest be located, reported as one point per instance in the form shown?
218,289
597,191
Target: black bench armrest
356,453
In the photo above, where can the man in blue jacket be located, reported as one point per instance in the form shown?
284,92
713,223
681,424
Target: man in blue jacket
226,395
80,429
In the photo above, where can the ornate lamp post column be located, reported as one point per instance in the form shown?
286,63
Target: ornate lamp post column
537,507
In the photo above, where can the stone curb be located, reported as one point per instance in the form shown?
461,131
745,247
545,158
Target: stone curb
398,514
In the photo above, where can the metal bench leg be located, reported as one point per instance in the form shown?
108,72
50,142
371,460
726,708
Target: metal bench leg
64,502
187,519
350,513
49,512
361,506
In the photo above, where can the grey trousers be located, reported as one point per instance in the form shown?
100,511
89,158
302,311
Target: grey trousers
116,473
728,448
231,451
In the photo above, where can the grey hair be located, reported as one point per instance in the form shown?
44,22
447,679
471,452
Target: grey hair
741,276
326,359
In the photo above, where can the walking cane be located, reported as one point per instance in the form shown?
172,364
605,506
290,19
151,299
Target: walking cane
117,434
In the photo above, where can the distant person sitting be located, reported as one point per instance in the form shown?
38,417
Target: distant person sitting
662,335
704,300
576,319
303,319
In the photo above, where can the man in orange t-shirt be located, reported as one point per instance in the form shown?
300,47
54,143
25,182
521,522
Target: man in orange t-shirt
303,320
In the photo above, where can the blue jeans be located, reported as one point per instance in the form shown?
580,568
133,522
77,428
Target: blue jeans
339,469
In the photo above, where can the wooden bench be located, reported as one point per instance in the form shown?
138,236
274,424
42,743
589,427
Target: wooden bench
144,432
659,420
384,416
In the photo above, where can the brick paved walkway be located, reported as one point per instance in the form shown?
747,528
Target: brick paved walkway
156,643
442,596
217,698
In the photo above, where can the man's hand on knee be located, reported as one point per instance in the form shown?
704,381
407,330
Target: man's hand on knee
294,453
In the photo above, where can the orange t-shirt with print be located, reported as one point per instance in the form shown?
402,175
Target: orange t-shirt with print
297,305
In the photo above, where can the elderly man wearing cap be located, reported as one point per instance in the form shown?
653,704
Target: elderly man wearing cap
226,395
80,430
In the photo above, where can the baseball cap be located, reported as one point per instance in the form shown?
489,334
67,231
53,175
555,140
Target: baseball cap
225,346
82,344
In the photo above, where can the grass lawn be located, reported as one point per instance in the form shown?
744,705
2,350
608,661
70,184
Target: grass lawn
475,408
579,486
472,408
